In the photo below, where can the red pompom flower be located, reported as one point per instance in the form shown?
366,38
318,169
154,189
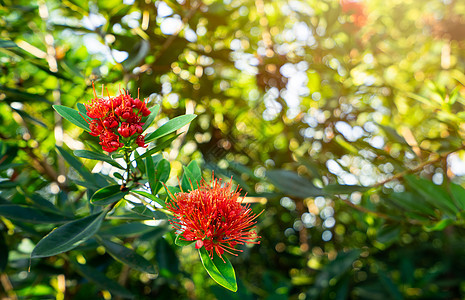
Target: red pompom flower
117,120
213,215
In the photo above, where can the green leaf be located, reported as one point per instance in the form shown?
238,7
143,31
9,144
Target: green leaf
433,194
338,189
125,229
68,236
108,195
458,193
7,44
97,156
439,226
291,183
128,256
77,165
158,147
192,175
170,126
30,214
162,175
180,241
101,280
153,114
73,116
151,197
221,271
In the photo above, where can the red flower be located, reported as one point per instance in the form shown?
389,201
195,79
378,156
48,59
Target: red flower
115,117
356,11
214,217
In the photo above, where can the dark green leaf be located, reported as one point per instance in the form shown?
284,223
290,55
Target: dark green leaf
191,177
169,127
128,256
7,44
68,236
97,156
221,271
30,214
168,262
439,226
125,230
73,116
458,193
77,165
102,281
108,195
291,183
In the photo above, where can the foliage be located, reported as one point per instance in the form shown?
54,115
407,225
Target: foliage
343,121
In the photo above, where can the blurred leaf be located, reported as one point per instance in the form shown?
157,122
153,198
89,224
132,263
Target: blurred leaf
337,189
20,96
3,253
68,236
291,183
30,214
102,281
168,262
169,127
433,194
389,286
220,271
73,116
439,226
128,256
141,50
7,44
458,193
108,195
125,230
27,116
97,156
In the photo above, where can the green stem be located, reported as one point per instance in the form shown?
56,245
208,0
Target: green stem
127,155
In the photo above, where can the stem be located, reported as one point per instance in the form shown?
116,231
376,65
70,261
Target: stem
127,155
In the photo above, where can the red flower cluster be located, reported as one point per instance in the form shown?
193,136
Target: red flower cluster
356,10
117,117
214,217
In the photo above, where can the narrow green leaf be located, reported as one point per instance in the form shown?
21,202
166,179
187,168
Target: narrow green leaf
7,44
338,189
192,176
170,126
458,193
105,283
158,147
439,226
108,195
180,241
97,156
162,175
77,165
68,236
433,194
30,214
153,114
150,170
73,116
293,184
125,229
221,271
128,256
151,197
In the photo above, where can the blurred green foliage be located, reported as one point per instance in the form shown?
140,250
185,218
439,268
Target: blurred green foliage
348,135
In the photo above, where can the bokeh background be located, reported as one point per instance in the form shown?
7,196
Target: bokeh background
343,120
